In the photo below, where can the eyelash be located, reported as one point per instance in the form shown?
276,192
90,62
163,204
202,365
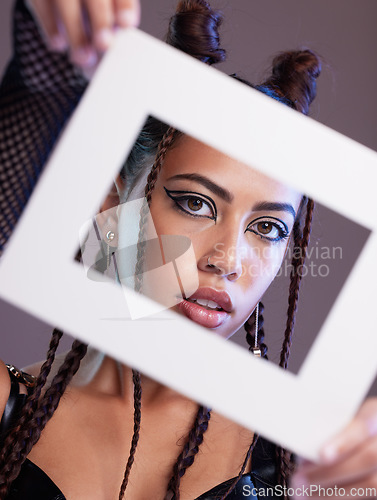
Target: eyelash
278,224
188,195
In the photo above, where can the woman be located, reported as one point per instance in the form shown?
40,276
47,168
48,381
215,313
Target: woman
84,446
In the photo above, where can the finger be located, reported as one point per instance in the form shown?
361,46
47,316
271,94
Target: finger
102,19
127,13
362,427
361,463
46,17
367,488
71,15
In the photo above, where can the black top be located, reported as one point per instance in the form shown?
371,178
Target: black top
34,484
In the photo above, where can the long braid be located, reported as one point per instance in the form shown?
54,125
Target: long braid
195,437
163,147
193,29
21,440
301,241
249,327
247,457
135,437
298,261
285,469
45,369
190,450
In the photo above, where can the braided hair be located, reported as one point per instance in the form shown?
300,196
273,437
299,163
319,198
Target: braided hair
301,241
194,30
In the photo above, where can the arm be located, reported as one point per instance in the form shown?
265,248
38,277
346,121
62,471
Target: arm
39,92
41,88
4,386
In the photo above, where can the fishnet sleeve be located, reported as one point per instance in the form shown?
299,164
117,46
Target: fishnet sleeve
38,93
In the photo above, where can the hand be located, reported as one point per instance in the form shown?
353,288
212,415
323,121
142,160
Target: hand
348,463
85,27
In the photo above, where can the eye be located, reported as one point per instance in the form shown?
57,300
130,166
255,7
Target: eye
270,229
193,204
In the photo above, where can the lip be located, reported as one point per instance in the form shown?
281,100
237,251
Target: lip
219,296
206,317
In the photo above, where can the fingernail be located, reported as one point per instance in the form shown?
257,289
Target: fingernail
372,426
84,57
58,43
329,453
103,39
127,18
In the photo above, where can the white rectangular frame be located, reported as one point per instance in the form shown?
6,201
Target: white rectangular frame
141,76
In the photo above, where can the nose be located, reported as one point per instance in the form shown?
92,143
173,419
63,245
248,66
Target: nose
225,257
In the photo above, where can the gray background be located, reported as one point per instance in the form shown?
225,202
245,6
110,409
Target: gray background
343,32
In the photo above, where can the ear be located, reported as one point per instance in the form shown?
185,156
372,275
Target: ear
107,218
115,194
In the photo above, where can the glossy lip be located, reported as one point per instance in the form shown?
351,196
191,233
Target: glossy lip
221,298
201,315
209,318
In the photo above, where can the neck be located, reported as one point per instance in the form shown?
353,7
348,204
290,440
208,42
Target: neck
116,379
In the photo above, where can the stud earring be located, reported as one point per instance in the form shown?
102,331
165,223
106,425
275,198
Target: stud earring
256,350
110,235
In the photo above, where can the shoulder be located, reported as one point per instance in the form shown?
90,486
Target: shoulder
4,386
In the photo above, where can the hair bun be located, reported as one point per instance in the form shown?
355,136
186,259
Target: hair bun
294,77
194,30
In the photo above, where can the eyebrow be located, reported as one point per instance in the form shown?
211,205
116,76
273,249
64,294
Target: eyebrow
275,207
204,181
228,196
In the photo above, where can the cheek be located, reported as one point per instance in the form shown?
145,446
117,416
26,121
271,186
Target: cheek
262,264
169,220
167,255
165,219
273,261
257,275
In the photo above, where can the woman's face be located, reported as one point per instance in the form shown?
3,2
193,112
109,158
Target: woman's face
239,222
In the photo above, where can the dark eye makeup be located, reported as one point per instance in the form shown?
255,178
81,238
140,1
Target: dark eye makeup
269,228
194,204
199,205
